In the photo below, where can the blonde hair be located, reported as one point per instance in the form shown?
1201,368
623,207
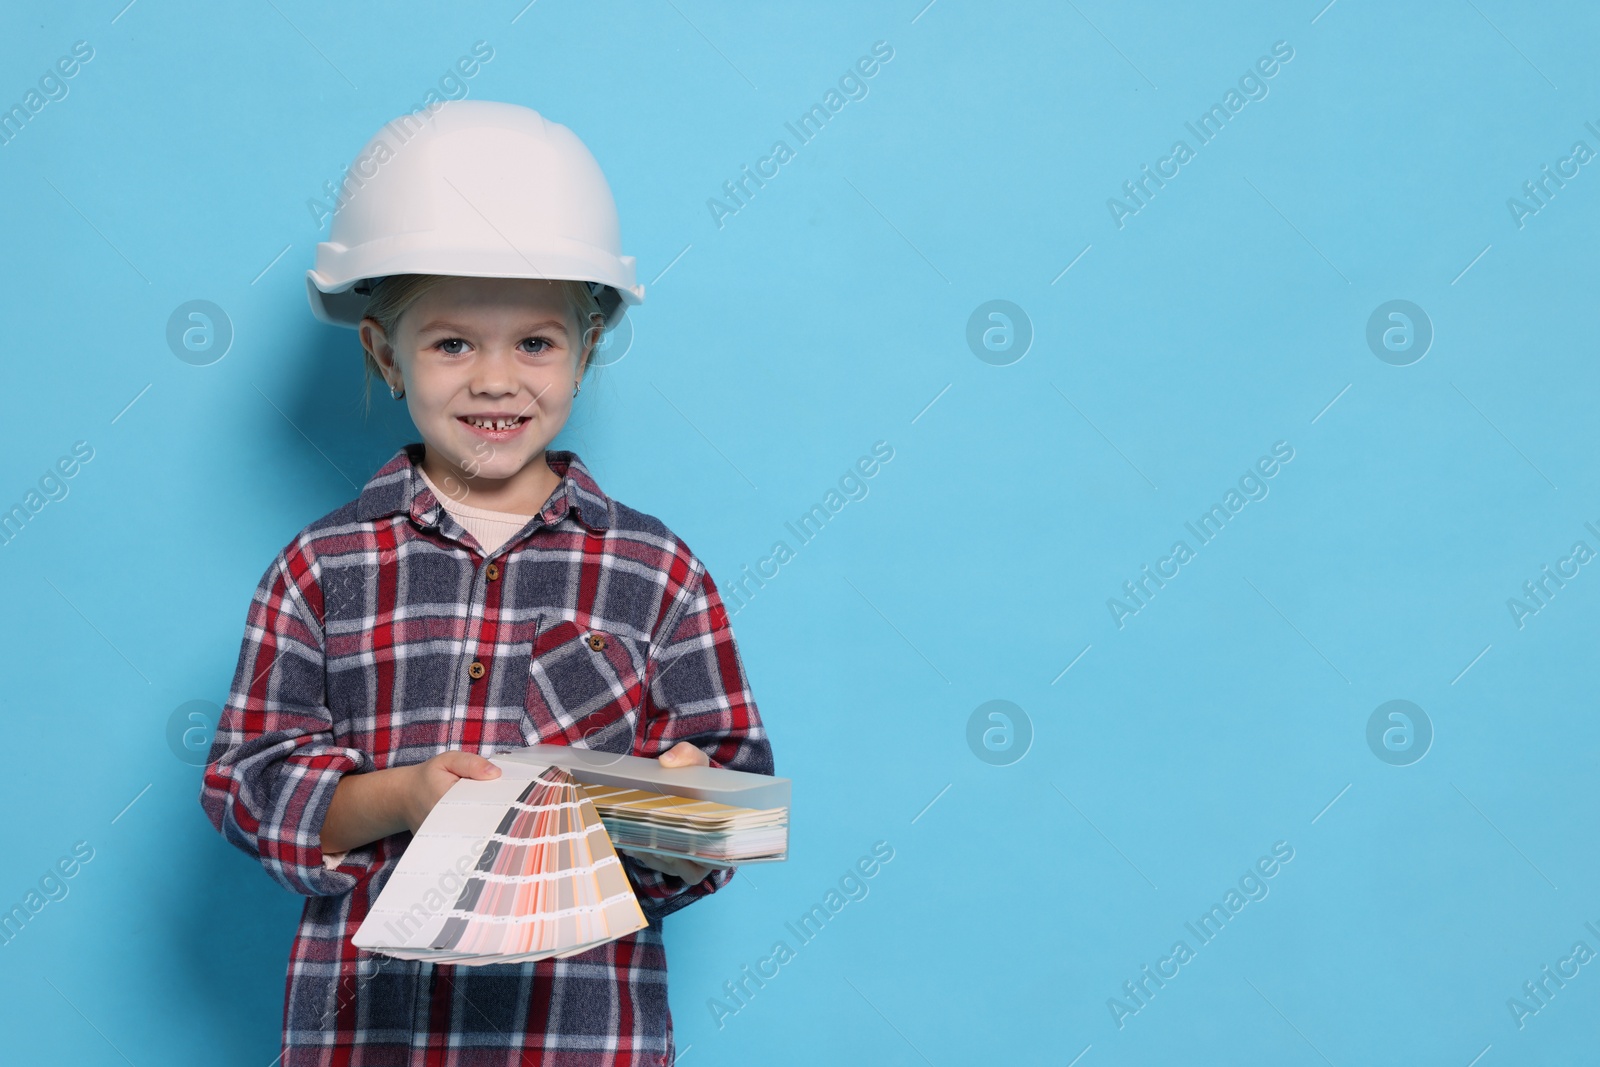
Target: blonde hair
391,296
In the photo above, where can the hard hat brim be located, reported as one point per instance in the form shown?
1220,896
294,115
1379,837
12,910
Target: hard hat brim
330,285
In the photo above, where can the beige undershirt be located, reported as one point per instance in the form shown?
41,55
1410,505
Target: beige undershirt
491,528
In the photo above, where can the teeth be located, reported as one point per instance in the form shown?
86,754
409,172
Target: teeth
495,424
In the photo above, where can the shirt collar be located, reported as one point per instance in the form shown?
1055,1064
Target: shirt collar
398,487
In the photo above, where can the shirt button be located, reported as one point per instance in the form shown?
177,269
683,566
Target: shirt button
492,571
597,642
476,670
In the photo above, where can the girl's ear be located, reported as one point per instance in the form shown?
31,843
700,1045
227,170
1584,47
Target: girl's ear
591,338
376,342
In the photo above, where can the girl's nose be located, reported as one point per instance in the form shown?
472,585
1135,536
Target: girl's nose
493,371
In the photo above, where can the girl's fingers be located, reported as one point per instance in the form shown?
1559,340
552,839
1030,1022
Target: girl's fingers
684,754
688,870
697,873
465,764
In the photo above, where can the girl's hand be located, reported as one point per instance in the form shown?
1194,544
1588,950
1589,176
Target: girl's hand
682,754
426,782
690,871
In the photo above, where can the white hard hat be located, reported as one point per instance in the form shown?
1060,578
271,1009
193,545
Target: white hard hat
478,189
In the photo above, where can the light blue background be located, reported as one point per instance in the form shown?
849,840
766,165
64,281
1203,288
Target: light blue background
829,313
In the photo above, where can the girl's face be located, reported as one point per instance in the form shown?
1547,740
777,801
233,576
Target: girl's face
501,351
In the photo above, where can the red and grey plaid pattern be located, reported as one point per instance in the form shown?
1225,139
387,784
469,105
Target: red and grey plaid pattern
380,636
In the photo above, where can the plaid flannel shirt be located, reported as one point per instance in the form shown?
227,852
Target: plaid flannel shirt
360,649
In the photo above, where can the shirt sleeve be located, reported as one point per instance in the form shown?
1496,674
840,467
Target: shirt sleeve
697,691
274,762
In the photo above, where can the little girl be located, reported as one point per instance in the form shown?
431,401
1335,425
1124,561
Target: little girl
481,594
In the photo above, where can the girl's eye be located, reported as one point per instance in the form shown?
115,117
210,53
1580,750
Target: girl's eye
445,345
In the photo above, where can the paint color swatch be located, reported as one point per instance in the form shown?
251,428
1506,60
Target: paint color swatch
644,821
712,815
508,870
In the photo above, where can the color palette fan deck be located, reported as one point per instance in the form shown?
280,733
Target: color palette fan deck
524,867
513,869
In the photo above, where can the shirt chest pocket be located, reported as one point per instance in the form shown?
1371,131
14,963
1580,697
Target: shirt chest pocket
585,688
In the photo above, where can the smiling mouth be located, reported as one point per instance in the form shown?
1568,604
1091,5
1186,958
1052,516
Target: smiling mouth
494,425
